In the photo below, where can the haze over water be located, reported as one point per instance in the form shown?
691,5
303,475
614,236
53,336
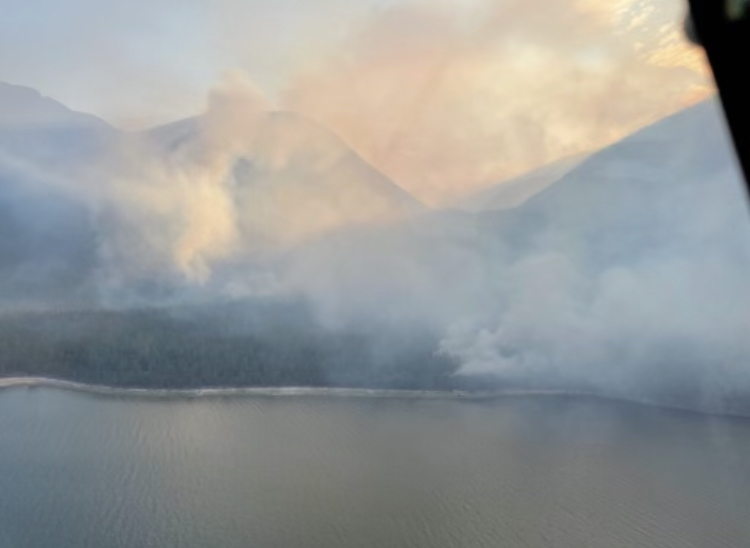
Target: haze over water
80,470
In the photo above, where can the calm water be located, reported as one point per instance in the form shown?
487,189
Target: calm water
79,470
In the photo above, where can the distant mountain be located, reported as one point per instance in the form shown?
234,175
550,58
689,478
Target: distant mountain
41,130
624,272
296,179
514,192
170,137
301,180
47,243
76,190
627,275
24,107
647,191
47,237
661,183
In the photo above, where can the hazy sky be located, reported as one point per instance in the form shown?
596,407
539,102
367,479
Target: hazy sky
443,97
139,61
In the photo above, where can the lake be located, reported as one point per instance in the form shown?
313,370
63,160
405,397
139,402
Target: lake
82,470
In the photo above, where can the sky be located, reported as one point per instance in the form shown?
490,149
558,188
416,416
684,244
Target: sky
136,63
444,98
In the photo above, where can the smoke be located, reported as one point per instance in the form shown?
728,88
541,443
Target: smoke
238,182
441,97
620,330
626,274
168,212
635,282
445,102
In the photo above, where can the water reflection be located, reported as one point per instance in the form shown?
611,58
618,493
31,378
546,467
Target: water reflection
81,470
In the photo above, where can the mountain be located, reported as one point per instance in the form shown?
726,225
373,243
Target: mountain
624,272
301,180
23,107
47,236
293,179
47,242
84,200
38,129
514,192
627,275
170,137
664,182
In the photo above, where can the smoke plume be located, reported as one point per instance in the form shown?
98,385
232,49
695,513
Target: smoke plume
445,104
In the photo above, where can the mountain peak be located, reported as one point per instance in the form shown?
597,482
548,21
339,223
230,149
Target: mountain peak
22,106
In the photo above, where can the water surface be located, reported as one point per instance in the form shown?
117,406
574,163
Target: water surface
80,470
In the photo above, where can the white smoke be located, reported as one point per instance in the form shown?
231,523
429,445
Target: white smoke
629,274
238,182
167,208
444,101
650,293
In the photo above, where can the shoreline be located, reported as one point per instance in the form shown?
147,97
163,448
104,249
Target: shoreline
341,392
277,391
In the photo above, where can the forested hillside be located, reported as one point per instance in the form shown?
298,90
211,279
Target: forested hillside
217,346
